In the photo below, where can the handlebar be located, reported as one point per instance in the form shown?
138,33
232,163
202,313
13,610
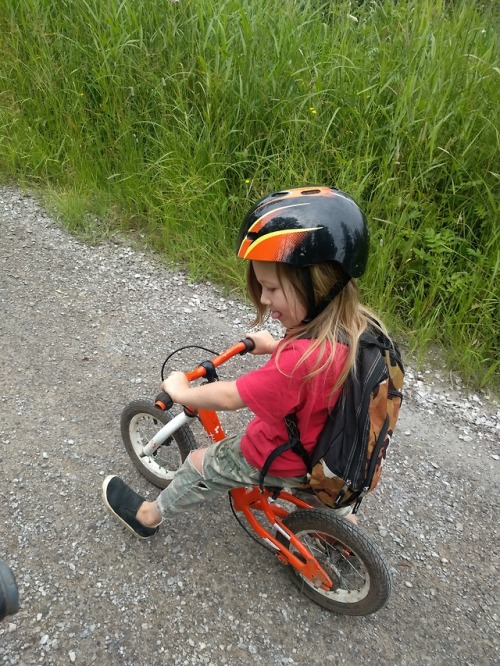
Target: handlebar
164,401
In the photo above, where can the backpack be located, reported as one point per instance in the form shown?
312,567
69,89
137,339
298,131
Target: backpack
347,461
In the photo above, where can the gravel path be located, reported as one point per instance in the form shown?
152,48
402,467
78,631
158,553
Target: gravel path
83,331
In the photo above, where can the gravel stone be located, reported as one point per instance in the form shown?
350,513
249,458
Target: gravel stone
84,330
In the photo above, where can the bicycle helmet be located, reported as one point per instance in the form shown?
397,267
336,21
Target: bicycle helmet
305,226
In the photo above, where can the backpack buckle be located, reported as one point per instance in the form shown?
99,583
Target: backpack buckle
341,494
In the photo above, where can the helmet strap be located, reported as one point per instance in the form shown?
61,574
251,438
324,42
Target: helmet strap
314,310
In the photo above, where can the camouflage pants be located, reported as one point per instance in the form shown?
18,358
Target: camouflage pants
224,467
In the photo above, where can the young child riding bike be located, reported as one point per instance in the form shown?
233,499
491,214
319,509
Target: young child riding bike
305,247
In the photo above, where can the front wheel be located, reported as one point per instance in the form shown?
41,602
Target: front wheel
355,564
140,421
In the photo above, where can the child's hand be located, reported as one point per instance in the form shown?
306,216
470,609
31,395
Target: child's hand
264,342
214,395
176,385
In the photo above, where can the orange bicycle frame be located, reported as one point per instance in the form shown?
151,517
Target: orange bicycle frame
248,500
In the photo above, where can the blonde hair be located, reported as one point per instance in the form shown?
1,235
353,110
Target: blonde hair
343,320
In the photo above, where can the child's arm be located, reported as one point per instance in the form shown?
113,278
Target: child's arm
222,396
264,342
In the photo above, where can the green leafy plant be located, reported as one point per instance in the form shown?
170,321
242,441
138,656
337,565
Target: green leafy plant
169,119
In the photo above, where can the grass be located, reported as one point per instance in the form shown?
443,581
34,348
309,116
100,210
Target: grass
170,119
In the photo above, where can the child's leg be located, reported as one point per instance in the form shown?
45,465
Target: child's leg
149,513
202,476
223,467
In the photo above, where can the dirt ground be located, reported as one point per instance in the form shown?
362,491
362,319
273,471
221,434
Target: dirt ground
83,331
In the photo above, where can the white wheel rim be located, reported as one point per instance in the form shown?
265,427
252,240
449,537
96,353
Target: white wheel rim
349,574
137,425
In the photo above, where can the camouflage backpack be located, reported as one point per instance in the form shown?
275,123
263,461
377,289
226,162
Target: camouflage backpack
347,461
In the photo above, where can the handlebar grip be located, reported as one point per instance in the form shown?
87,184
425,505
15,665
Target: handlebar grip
249,346
164,401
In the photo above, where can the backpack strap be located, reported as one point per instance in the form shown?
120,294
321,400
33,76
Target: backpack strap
294,444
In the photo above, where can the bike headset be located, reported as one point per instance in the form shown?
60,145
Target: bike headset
304,226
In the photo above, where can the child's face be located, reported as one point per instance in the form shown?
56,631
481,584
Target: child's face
280,298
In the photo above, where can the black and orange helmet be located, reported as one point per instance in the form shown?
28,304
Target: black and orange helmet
303,226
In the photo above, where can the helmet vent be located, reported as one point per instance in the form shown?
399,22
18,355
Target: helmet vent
310,191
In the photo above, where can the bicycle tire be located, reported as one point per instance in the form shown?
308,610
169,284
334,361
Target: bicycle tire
9,593
361,578
140,420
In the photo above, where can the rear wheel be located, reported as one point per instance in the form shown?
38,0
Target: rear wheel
140,421
355,564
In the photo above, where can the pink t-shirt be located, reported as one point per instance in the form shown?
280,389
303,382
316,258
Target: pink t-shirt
272,393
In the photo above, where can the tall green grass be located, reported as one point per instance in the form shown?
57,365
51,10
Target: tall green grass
171,118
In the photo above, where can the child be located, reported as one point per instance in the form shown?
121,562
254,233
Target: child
305,246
